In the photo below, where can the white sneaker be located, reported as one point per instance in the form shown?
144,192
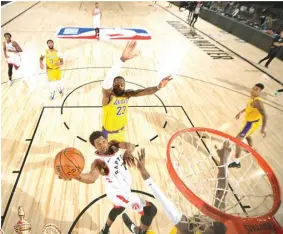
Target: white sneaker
10,82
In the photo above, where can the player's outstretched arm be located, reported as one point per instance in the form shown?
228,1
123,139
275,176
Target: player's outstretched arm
150,90
170,209
128,53
127,146
91,177
128,158
123,145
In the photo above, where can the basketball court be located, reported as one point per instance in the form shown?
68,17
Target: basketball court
208,91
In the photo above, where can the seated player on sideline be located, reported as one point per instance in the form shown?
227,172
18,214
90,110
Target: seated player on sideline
182,223
111,162
115,97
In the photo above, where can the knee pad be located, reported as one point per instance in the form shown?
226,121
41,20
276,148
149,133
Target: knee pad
115,212
149,212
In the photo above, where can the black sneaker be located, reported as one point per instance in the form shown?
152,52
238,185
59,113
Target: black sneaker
128,222
234,164
103,232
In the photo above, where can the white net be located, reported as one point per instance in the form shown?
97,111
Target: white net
244,191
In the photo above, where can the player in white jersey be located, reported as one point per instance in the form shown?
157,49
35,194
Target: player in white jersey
111,162
11,51
96,18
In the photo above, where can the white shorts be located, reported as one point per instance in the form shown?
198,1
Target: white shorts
126,199
96,22
14,59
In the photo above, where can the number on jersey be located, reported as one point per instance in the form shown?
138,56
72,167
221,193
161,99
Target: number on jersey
121,110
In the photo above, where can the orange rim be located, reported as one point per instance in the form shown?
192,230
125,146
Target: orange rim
205,207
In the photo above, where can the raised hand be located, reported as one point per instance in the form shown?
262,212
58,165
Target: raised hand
141,160
165,81
129,159
141,164
129,51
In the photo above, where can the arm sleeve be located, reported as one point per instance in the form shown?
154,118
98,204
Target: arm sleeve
112,73
170,209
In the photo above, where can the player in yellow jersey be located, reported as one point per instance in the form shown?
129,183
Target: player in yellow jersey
182,223
53,62
255,117
115,97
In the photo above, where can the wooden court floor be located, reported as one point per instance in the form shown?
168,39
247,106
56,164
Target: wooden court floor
206,92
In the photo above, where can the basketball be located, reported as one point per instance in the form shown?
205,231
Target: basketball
69,163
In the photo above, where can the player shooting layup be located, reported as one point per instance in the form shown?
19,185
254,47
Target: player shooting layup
115,98
111,163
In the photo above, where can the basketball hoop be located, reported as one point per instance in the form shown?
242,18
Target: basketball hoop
252,195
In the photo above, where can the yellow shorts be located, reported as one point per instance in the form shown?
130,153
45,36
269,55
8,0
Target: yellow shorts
249,127
118,135
54,74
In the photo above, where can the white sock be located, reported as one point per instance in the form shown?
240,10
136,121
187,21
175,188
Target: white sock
59,86
52,86
237,160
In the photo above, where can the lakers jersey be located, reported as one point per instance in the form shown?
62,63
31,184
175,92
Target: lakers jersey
52,59
115,114
252,114
119,177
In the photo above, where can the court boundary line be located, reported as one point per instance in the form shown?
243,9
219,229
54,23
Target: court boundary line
232,51
3,217
9,21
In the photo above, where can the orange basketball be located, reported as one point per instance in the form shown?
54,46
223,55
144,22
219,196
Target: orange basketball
69,163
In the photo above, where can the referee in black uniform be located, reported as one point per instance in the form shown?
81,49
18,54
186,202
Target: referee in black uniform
274,49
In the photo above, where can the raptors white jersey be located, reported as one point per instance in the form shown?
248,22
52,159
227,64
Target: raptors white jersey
13,56
119,177
10,47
